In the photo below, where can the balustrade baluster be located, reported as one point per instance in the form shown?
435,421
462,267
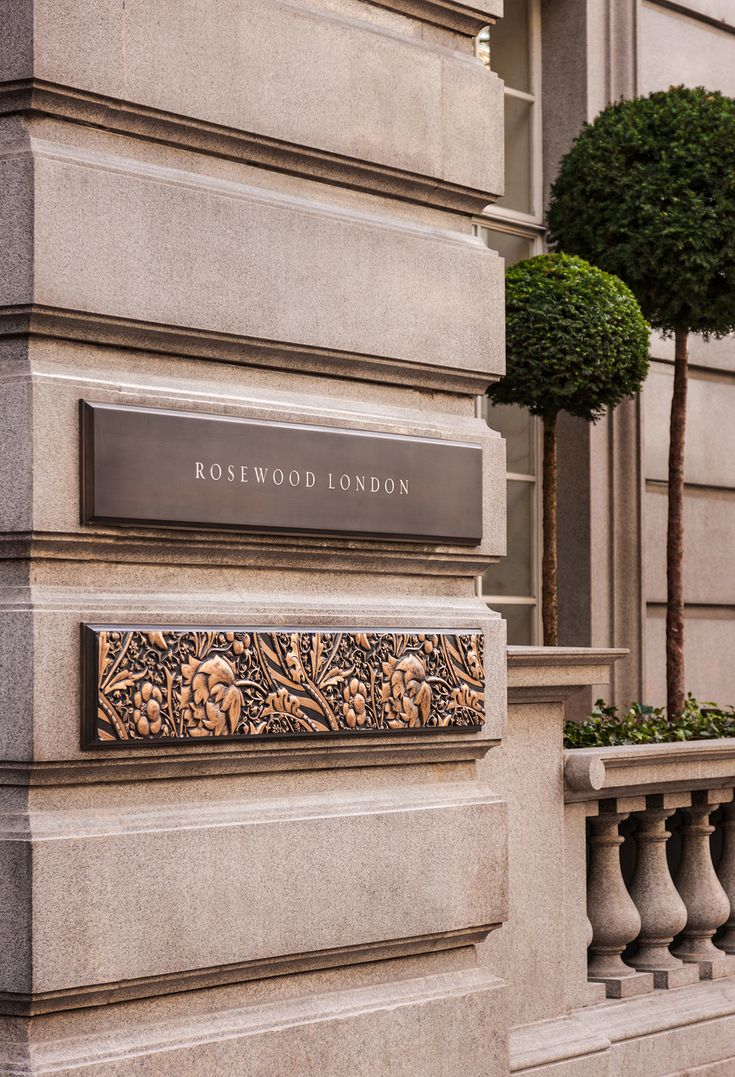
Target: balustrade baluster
726,875
663,913
612,912
707,904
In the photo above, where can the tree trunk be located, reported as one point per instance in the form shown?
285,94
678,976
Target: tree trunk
675,690
548,572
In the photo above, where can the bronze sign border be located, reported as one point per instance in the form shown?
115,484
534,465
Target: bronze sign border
398,677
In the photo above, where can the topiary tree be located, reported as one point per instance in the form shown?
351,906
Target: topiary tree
576,342
647,192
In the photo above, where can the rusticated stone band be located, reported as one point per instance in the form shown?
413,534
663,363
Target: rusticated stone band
149,685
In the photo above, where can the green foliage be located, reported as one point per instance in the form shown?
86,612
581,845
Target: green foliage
647,192
576,339
642,724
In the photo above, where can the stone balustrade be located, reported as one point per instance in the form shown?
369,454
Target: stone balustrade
661,862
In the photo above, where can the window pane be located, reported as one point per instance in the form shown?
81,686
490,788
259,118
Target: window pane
517,427
509,46
520,621
512,247
518,122
482,46
514,574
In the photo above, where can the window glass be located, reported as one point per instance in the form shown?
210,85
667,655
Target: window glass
513,575
518,138
512,247
509,40
520,621
512,227
516,425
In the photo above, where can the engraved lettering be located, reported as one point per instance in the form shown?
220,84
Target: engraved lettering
230,473
374,484
344,481
310,479
331,485
360,483
403,486
244,473
279,481
391,488
261,474
218,476
199,472
294,478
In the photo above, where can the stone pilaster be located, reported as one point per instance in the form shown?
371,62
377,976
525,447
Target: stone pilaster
262,210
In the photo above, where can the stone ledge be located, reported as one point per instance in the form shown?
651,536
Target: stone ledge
40,99
35,1004
222,761
432,1025
44,322
640,769
663,1032
463,18
552,674
212,263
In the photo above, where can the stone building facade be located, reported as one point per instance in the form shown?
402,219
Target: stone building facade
284,215
564,60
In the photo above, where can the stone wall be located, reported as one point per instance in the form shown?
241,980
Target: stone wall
259,210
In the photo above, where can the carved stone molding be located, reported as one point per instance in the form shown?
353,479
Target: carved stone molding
39,99
149,685
461,17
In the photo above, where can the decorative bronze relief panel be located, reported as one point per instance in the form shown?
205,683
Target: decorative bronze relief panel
155,685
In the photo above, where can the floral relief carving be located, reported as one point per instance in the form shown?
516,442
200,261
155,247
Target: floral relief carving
174,684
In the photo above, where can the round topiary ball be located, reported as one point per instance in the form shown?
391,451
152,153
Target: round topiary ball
576,339
647,192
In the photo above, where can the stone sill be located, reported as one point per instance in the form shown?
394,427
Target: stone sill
639,769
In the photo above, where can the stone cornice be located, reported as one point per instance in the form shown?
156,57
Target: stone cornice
29,1004
36,98
552,674
462,18
89,327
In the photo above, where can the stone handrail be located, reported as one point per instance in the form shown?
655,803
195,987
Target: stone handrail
653,930
641,769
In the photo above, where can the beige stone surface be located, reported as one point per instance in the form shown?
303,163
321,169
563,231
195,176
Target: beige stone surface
700,54
710,435
424,1026
287,72
295,243
709,547
130,241
715,354
146,886
541,951
710,644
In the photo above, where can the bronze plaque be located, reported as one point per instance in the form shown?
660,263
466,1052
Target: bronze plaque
158,685
149,466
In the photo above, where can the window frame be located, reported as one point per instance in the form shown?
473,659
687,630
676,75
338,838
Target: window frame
529,226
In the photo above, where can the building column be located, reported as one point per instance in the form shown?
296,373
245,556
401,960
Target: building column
242,826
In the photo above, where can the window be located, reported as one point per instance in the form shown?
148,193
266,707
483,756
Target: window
513,226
